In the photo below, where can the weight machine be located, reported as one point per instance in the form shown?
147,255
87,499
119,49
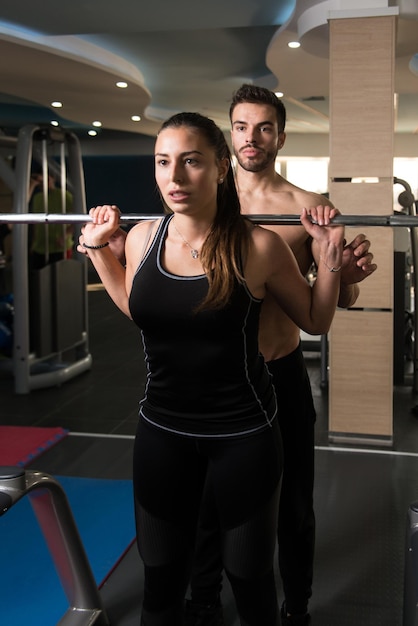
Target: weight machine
50,305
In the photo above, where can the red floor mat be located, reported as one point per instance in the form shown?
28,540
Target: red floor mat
20,445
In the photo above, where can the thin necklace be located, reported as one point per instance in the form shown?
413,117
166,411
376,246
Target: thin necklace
193,251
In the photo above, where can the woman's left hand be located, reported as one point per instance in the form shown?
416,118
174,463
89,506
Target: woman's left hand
328,239
317,222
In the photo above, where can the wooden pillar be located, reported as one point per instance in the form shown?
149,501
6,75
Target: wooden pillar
362,51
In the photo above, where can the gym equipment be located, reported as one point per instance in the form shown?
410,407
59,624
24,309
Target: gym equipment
410,604
50,344
410,205
400,220
53,512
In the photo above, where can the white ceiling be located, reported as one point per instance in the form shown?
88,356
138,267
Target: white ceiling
175,55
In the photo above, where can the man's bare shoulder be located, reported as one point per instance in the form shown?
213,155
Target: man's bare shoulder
278,196
288,198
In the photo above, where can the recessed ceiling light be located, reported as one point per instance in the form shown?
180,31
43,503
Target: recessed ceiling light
54,123
57,104
279,94
294,44
97,124
121,84
92,133
136,118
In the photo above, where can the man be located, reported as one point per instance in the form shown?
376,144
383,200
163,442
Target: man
257,130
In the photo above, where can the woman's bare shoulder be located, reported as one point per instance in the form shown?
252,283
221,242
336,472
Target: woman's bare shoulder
143,227
266,238
139,239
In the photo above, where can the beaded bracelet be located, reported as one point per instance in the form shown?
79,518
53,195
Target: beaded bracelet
101,245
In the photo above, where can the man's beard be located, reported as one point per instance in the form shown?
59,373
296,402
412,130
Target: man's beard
256,165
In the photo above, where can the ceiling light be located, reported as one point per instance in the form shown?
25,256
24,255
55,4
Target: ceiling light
97,124
279,94
56,104
136,118
54,123
294,44
121,84
92,133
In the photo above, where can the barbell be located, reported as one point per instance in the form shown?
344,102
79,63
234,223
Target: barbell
289,220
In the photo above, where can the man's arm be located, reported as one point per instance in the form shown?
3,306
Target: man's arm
356,266
348,295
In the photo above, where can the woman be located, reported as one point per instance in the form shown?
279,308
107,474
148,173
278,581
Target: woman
194,286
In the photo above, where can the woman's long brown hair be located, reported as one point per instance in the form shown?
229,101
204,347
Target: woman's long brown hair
226,246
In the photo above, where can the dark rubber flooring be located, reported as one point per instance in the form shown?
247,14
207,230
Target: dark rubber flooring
362,495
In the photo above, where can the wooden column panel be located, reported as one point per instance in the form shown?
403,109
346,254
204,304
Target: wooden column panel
370,199
361,146
361,376
362,96
376,292
363,198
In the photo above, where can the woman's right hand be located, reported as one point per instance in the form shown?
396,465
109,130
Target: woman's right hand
105,221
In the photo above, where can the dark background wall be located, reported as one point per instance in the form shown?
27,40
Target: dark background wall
127,181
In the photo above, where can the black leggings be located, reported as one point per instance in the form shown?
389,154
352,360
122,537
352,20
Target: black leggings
244,474
296,528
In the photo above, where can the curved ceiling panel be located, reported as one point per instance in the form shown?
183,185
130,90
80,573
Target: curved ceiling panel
174,56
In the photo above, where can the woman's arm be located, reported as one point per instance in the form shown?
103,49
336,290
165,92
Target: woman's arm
96,235
96,241
311,308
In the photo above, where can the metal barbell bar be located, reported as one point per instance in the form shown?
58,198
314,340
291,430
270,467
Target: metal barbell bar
288,220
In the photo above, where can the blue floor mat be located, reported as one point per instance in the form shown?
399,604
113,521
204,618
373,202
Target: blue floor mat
30,589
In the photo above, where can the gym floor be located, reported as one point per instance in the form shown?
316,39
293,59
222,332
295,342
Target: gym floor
362,495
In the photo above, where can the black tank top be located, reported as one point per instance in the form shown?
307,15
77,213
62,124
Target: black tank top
206,376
